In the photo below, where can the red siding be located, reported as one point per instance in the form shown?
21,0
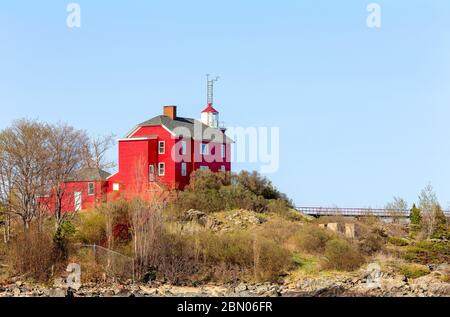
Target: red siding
135,157
87,201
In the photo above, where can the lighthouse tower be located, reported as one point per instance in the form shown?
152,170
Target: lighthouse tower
209,115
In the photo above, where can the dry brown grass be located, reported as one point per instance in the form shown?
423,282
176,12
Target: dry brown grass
32,254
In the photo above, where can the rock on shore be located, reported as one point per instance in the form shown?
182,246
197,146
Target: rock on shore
388,285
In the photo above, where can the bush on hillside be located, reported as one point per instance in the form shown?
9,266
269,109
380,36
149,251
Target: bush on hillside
414,271
212,192
425,252
244,256
91,228
312,239
279,230
341,255
257,184
204,180
400,242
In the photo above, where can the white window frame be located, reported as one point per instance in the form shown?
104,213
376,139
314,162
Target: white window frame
223,150
116,187
204,168
163,143
183,169
89,189
163,167
223,168
206,151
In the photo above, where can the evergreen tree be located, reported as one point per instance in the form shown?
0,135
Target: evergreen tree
415,215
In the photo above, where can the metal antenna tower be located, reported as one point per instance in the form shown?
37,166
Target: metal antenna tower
210,89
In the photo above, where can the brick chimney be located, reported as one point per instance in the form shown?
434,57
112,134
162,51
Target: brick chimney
170,111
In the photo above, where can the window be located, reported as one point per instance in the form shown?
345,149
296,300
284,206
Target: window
91,189
161,147
116,187
222,150
161,169
183,169
222,168
204,168
204,149
183,148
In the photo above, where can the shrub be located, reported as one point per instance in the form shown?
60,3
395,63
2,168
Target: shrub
282,208
311,239
372,239
279,230
32,253
175,262
61,239
211,192
342,256
415,215
271,260
91,228
400,242
204,180
225,198
428,252
244,255
414,271
206,200
442,231
258,185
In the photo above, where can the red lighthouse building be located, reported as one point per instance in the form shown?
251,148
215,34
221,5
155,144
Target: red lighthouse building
166,149
157,154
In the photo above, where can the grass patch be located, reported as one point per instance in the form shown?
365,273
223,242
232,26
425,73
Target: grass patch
399,242
425,252
414,271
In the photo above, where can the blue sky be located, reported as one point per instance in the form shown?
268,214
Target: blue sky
363,113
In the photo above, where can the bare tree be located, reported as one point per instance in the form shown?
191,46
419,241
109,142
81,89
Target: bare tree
96,152
147,230
5,194
66,147
396,208
24,168
430,209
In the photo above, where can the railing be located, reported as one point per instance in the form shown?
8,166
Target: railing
356,212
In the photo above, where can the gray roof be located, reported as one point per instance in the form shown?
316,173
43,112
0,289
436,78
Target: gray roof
90,174
185,127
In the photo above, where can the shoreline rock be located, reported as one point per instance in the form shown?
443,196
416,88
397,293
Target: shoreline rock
389,286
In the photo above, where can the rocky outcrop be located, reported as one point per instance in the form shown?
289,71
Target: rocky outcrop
202,219
388,285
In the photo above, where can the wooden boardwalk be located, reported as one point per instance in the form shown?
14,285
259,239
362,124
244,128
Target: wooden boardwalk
356,212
